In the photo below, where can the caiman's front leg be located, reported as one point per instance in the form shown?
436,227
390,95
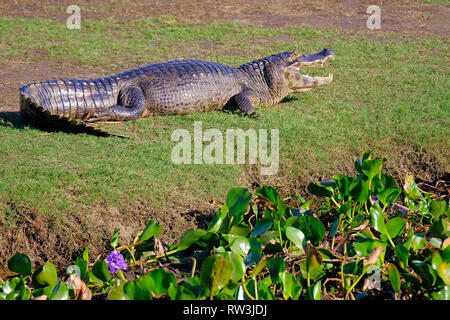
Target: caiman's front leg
131,105
245,101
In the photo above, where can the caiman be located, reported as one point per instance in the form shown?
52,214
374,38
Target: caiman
173,87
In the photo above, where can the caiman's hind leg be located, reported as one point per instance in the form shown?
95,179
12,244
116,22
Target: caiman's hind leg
131,105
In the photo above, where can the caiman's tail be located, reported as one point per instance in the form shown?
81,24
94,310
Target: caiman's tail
56,104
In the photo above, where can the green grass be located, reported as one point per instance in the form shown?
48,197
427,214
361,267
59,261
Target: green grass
387,96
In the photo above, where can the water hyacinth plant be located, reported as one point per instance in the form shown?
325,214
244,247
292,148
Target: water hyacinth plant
367,238
116,262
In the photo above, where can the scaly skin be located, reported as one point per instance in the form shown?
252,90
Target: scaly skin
174,87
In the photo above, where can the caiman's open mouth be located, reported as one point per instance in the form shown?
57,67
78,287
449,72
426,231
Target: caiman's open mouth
299,82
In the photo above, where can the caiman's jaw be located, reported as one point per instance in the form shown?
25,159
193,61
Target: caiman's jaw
300,83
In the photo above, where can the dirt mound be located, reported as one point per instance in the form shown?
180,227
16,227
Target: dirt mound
62,239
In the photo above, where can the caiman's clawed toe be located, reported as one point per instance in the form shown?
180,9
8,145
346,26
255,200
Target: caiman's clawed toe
173,87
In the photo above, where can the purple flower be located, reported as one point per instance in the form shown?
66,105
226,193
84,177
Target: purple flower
374,199
116,262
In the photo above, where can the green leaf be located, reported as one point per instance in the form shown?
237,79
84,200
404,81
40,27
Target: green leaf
20,263
61,292
302,200
439,227
216,271
269,193
408,241
438,208
436,242
263,290
115,238
237,201
255,251
418,241
426,272
360,190
152,229
237,263
240,230
83,267
443,294
343,185
312,228
388,196
326,254
190,237
45,276
162,280
388,181
358,166
290,287
395,227
281,209
216,222
195,287
259,267
377,218
314,292
364,246
403,254
16,288
411,189
135,291
275,266
354,267
394,277
261,226
116,292
240,245
10,285
313,261
296,236
371,168
442,266
86,254
334,227
320,191
100,270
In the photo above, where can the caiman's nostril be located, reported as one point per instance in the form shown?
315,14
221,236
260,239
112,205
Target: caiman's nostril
328,51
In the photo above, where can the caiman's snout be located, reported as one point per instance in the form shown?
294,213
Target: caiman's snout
298,82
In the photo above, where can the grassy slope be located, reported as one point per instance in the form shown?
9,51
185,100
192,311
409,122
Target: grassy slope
389,96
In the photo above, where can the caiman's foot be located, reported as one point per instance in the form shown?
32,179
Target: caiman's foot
253,115
98,116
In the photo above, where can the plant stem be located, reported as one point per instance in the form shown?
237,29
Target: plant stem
356,282
365,206
256,288
132,255
193,267
245,289
130,246
230,225
120,274
337,204
279,232
390,240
